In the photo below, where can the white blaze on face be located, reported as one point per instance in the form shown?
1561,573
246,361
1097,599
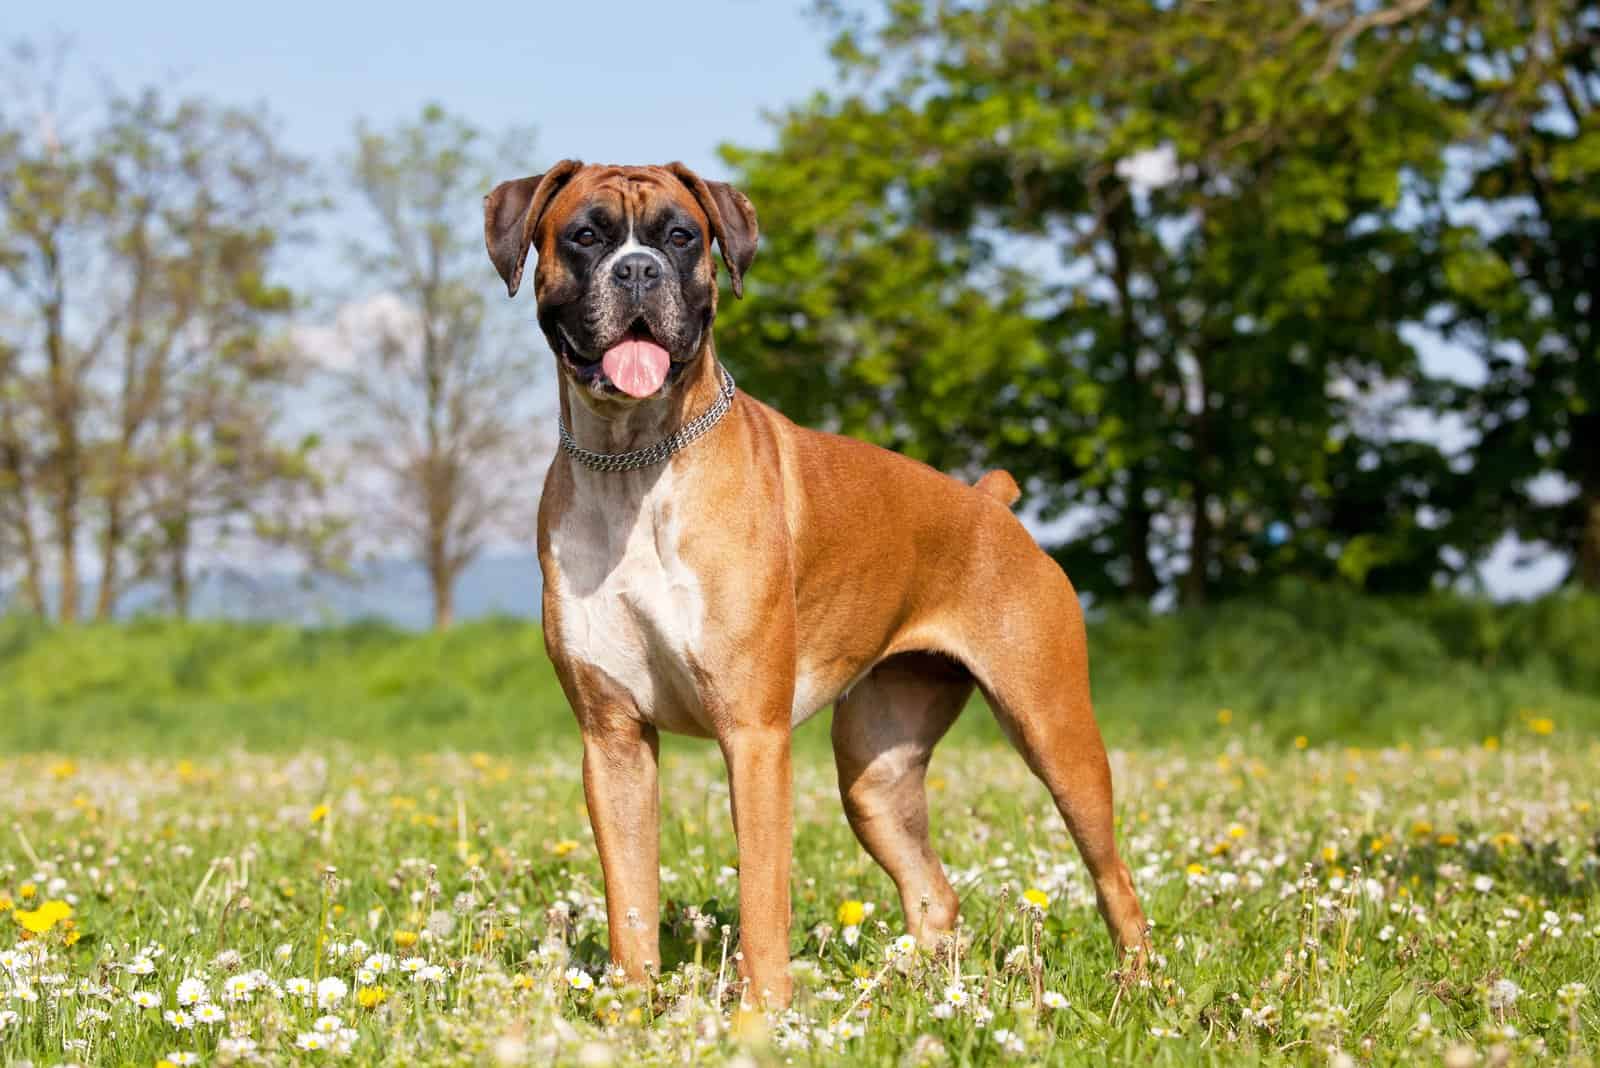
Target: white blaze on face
634,365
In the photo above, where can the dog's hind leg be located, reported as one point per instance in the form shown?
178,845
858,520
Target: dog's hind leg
884,732
1038,687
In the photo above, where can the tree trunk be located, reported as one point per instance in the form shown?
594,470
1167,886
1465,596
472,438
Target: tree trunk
110,542
444,594
67,462
1588,569
1142,580
178,585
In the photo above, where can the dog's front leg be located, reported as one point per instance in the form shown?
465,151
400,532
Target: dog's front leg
619,783
760,781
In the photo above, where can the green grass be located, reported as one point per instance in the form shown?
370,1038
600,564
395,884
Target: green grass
1399,816
1311,661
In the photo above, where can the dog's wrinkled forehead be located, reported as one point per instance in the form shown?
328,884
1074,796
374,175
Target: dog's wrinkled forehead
628,197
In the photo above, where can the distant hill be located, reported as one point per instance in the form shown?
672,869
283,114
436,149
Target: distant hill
395,591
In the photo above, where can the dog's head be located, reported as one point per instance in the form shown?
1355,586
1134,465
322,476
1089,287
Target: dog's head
625,284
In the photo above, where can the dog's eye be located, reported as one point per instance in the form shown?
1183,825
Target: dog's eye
680,238
584,238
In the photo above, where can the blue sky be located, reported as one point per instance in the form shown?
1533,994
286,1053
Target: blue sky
627,82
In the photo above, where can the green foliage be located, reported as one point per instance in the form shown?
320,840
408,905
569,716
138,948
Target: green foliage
1150,258
1314,661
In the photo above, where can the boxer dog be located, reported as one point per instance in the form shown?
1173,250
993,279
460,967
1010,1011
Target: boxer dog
713,569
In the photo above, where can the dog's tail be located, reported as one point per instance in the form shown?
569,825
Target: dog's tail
999,485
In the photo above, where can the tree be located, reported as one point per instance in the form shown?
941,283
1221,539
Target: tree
439,402
1517,223
139,255
1150,257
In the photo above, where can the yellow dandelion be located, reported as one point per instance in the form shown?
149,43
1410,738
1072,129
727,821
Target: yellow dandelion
63,769
1330,854
1301,741
405,939
563,847
43,918
851,913
1379,844
1542,725
1422,828
26,891
1491,743
1447,839
1504,840
1224,716
319,813
6,903
370,997
1237,830
1037,898
1196,869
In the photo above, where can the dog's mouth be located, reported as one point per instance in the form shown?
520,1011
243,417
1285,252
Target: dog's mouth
637,365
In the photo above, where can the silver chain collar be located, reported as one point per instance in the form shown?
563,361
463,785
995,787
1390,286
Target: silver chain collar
651,455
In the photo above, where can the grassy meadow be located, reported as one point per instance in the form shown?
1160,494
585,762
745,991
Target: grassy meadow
1366,832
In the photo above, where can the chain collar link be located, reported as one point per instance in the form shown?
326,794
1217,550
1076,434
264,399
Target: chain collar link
651,455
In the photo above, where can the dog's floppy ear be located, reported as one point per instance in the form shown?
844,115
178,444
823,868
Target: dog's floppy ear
733,221
511,215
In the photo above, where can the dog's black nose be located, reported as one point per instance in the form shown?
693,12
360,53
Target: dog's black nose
637,271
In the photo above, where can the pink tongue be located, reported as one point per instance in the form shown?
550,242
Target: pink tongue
636,367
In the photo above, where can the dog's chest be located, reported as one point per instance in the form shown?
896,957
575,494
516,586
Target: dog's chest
629,604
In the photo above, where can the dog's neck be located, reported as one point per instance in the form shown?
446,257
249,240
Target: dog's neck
636,426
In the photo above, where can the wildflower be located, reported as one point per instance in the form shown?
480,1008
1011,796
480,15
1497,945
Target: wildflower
579,980
178,1019
1483,884
370,997
405,939
209,1014
851,913
1542,725
563,847
331,991
236,1048
955,995
904,946
192,991
1301,741
42,919
1165,1032
311,1041
238,988
1503,994
327,1025
1571,993
434,973
141,965
1053,1000
1010,1041
319,813
145,999
848,1029
299,986
379,963
1036,898
183,1057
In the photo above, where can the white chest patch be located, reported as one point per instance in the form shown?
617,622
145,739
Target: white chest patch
629,605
